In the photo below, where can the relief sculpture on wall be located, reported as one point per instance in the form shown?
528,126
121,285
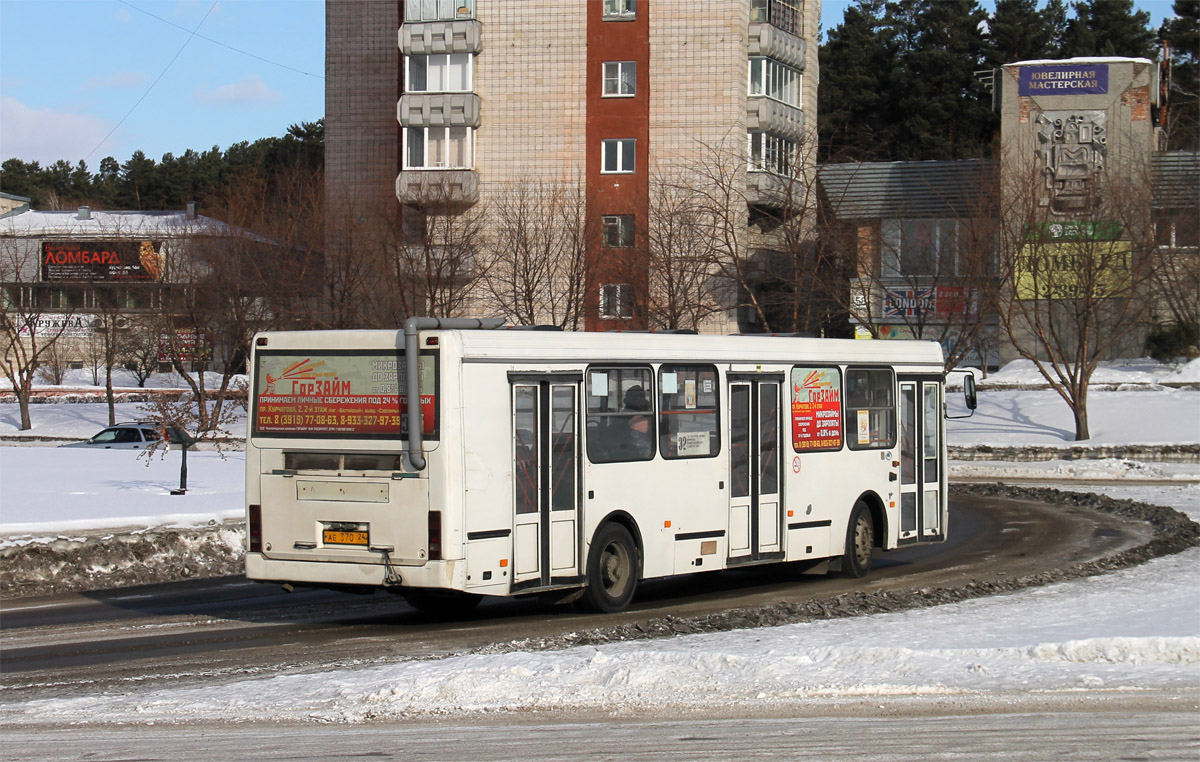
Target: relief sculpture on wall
1072,152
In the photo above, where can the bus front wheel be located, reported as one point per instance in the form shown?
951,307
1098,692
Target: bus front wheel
860,541
611,570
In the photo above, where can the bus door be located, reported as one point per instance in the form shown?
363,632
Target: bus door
545,468
755,507
921,493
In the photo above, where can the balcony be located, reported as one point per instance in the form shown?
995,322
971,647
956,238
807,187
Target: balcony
781,14
438,187
772,42
434,37
438,110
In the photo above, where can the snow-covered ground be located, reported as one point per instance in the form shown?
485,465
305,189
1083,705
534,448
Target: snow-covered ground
1133,630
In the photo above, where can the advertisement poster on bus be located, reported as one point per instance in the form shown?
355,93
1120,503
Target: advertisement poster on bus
816,409
358,394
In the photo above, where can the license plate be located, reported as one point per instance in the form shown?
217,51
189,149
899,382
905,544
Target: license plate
333,537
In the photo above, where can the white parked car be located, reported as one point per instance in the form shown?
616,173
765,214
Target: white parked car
132,436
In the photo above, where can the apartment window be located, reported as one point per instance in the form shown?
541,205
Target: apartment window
444,73
781,14
438,10
771,153
437,148
620,9
620,79
918,247
616,301
617,230
771,79
618,155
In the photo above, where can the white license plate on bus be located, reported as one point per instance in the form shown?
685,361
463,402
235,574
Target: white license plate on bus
335,537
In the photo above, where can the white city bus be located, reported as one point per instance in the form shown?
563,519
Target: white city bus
582,463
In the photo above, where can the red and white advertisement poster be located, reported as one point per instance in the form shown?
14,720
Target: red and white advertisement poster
339,394
816,409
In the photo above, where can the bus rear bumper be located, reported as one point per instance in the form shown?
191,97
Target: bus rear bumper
438,574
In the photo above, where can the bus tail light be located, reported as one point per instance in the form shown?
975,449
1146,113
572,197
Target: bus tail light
435,535
254,530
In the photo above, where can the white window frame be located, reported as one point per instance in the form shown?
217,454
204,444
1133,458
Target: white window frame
895,234
620,79
623,155
618,227
767,152
443,162
445,63
775,80
620,9
616,301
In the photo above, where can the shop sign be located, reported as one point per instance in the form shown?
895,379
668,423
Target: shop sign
1077,79
74,326
1073,271
1073,230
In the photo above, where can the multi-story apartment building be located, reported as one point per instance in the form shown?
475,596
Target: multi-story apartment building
485,109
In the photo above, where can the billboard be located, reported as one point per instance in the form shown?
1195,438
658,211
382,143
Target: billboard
1095,270
339,394
955,302
102,260
74,326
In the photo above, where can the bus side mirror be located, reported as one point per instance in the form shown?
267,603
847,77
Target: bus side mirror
969,396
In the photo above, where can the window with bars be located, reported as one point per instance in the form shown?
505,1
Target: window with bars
772,79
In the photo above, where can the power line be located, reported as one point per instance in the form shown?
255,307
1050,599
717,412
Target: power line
152,84
218,42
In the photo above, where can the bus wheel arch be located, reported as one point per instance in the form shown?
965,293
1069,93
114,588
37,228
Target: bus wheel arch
878,516
863,533
614,565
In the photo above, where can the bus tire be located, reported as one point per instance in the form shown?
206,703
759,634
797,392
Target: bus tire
860,540
441,602
612,570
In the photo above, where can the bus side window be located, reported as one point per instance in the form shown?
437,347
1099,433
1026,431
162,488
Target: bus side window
620,417
870,408
688,419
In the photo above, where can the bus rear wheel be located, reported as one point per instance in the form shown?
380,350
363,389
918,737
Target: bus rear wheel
860,541
612,570
441,602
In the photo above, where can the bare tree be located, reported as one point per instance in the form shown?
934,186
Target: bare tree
28,331
1074,288
138,347
536,251
681,290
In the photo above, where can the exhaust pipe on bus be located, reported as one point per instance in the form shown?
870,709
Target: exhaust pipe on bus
412,353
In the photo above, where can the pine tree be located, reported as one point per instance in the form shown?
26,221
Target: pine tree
1182,33
855,108
1109,28
1018,31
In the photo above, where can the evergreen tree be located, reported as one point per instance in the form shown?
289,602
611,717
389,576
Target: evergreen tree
135,189
1109,28
1019,31
945,112
1182,34
854,97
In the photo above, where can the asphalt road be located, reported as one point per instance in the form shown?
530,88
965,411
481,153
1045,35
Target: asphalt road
203,631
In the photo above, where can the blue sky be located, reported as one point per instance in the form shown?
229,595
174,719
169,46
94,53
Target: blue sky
72,70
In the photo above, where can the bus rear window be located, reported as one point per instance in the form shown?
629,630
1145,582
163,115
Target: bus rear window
339,394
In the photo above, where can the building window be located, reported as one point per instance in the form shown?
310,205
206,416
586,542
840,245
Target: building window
620,9
771,153
617,230
437,148
445,73
620,79
439,10
618,155
781,14
616,301
918,247
771,79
